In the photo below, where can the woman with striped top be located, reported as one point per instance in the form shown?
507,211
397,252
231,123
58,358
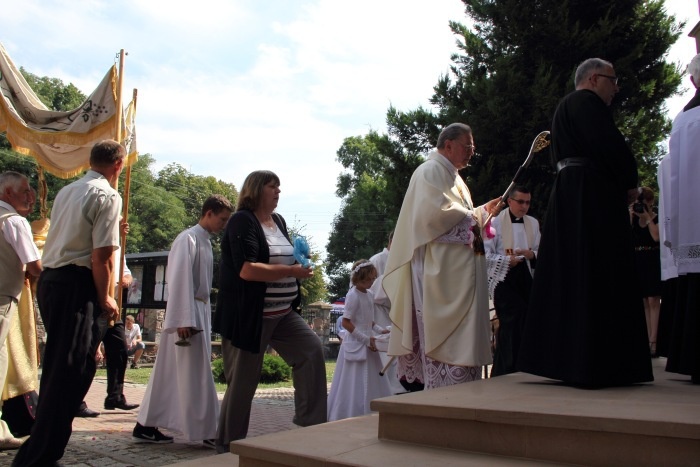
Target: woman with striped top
257,306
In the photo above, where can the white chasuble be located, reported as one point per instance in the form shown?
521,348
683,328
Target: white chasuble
454,283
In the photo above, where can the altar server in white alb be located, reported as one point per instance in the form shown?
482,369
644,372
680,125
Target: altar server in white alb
181,395
356,381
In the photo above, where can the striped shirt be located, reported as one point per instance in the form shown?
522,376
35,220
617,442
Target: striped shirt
281,293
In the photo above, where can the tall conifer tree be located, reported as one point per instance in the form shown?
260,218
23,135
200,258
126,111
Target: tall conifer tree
515,60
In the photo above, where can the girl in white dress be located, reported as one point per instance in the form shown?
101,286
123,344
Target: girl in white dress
356,380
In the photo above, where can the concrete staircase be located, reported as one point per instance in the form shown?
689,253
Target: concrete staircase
510,420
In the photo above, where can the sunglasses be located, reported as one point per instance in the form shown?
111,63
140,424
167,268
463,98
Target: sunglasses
521,201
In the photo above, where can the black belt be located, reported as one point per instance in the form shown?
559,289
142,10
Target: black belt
574,162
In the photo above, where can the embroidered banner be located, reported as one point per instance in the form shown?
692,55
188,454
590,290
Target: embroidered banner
60,141
129,129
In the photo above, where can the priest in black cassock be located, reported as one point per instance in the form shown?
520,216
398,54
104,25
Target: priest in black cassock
585,323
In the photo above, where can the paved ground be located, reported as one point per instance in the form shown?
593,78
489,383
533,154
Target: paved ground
106,440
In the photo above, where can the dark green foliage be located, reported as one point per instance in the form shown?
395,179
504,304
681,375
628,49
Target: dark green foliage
513,64
274,370
518,61
217,370
372,189
314,288
156,215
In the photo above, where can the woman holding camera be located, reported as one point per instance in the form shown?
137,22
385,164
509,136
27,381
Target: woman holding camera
645,230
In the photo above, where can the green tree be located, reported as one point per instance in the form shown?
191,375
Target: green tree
378,170
314,288
54,93
518,61
193,189
155,215
512,67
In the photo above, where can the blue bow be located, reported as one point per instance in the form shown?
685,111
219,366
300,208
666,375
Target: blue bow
302,252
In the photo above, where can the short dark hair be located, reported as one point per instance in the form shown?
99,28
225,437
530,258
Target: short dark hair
216,204
251,191
518,189
106,153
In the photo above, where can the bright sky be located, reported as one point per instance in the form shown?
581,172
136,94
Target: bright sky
226,87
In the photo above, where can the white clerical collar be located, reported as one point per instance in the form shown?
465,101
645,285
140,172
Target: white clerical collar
447,162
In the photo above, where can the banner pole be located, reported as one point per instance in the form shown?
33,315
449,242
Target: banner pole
118,138
125,218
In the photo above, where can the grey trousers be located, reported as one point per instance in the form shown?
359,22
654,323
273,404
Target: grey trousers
301,348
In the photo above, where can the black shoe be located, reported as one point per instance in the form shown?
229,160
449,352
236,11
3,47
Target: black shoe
86,412
123,405
150,434
135,366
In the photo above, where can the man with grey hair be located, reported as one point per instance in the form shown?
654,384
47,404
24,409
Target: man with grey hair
17,250
435,277
74,299
585,322
680,235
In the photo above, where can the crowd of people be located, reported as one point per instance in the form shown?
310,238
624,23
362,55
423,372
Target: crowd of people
583,302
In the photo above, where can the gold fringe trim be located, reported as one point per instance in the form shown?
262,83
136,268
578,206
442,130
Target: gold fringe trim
11,124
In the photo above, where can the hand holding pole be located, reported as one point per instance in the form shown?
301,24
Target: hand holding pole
540,142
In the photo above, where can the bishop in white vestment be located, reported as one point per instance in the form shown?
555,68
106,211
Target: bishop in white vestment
435,276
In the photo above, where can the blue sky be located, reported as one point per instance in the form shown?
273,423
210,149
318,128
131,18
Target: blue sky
226,87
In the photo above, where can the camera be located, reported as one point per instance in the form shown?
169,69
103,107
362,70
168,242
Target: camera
639,207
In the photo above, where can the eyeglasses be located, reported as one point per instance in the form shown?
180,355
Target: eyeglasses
521,201
611,78
467,146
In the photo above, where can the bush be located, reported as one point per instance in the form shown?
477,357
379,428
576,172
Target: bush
274,370
217,369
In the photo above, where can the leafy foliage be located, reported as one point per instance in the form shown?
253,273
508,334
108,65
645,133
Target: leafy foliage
155,215
314,288
511,68
274,369
53,93
217,370
372,190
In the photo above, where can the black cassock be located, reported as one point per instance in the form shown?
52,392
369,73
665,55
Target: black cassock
585,324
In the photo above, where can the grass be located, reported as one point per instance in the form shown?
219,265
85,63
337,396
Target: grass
141,375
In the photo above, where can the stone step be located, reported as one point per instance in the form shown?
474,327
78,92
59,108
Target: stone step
354,442
510,419
220,460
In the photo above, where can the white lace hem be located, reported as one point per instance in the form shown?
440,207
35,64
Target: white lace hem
460,233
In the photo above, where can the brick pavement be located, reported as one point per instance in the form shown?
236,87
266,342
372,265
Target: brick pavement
106,440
